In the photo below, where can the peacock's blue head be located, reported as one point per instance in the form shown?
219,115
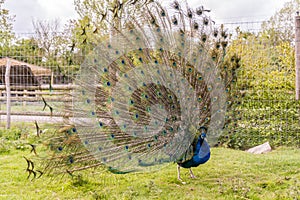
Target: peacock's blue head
203,135
203,131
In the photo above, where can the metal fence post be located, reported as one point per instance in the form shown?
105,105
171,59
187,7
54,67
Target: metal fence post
297,55
8,95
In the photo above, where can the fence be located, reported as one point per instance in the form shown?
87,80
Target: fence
31,96
267,110
297,53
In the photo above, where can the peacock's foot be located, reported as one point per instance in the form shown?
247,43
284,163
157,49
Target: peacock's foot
193,176
179,178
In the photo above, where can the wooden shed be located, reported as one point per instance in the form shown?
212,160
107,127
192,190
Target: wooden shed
24,74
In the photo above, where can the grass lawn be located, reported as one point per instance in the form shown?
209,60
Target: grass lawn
230,174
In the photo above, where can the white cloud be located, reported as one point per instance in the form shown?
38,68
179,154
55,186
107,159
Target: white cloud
28,10
237,10
222,10
24,11
58,8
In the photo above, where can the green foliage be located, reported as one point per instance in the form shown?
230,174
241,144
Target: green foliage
17,138
264,65
266,79
99,20
59,50
6,27
11,134
280,27
103,14
27,50
4,146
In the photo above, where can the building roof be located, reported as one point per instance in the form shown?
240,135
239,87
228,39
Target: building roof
36,70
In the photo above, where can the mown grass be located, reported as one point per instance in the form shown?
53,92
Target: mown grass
230,174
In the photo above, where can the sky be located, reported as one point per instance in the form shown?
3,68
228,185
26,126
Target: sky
222,11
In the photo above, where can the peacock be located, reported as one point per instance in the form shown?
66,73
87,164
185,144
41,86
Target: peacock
200,154
154,92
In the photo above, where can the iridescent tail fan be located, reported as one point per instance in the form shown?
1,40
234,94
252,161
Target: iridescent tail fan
142,95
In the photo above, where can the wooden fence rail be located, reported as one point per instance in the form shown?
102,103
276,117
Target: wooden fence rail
34,94
40,87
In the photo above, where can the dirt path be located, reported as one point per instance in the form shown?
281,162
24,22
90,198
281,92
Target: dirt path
40,119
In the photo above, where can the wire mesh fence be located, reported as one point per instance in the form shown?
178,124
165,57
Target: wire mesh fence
268,111
38,70
266,105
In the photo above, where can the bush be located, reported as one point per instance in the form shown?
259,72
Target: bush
272,119
12,138
268,110
4,146
11,134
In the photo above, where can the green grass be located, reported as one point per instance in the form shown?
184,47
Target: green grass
230,174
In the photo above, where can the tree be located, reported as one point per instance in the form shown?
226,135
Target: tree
280,27
6,27
58,46
99,19
48,36
27,50
106,13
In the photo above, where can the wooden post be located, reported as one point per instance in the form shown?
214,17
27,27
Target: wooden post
51,81
67,107
0,104
8,94
297,55
24,95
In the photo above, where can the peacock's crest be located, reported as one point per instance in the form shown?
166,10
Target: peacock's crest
143,93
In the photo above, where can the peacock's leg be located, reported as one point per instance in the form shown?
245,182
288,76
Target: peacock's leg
178,171
192,174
